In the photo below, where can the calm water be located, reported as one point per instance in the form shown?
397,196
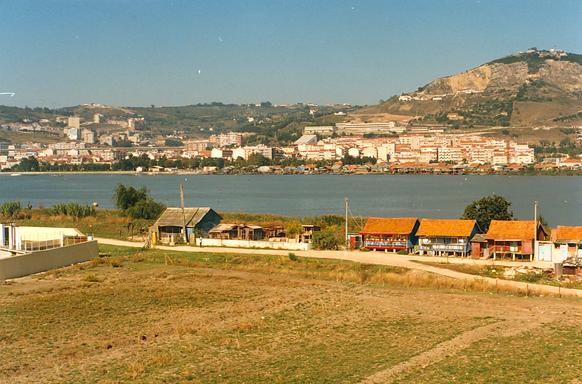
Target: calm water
370,195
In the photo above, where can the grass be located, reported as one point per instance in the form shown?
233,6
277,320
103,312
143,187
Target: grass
551,354
496,272
158,316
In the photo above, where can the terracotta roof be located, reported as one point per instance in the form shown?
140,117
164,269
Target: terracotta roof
392,225
511,230
567,233
452,228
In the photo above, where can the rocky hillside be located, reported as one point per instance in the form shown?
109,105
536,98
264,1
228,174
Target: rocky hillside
535,87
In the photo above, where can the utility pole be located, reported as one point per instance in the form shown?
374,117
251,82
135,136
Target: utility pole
183,214
347,240
535,221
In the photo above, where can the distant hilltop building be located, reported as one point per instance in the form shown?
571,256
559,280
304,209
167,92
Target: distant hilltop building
367,128
74,122
320,131
226,139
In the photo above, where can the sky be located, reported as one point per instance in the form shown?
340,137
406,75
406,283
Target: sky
58,53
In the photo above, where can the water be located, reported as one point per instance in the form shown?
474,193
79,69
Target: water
297,195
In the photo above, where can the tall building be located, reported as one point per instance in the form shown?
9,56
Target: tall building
74,122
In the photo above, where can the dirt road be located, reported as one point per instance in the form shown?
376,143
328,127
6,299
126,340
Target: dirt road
378,258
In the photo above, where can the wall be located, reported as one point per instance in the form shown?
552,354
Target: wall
253,244
40,261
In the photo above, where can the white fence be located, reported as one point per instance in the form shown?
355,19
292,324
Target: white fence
203,242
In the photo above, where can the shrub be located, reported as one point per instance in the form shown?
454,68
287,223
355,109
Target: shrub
293,257
145,209
325,239
10,208
72,209
137,203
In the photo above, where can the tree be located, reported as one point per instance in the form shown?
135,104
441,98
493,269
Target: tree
488,208
28,164
326,239
137,203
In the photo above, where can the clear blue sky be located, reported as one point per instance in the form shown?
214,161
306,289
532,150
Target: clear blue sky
142,52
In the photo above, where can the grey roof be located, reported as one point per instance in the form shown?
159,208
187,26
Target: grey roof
172,217
479,238
223,228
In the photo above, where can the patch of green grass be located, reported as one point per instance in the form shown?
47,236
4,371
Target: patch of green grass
551,354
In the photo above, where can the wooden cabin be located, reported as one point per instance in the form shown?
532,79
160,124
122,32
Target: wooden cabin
390,234
237,232
514,239
446,237
198,221
307,232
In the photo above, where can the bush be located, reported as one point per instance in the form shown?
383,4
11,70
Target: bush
72,209
137,203
293,257
325,239
10,208
145,209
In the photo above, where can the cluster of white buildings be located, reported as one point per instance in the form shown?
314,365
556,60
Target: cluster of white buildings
418,149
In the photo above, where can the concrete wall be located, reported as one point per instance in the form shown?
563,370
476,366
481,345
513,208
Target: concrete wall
253,244
40,261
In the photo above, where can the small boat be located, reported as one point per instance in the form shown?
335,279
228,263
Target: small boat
16,174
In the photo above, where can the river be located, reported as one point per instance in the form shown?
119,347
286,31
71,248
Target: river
560,197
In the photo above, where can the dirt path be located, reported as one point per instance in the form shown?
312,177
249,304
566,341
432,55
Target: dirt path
377,258
446,349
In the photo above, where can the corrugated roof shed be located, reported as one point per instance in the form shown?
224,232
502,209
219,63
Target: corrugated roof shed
172,217
511,230
390,225
563,233
446,228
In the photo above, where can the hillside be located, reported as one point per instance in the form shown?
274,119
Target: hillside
535,87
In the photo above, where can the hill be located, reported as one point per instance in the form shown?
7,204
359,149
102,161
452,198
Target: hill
535,87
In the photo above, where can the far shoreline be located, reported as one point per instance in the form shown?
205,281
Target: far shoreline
195,173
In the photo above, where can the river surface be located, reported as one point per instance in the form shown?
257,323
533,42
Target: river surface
560,197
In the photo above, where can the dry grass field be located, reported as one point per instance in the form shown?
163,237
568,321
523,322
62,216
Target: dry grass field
156,316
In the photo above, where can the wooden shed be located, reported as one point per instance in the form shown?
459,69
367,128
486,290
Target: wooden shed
198,221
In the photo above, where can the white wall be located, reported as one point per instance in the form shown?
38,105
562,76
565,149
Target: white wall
253,244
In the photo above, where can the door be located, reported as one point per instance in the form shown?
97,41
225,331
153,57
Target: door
544,252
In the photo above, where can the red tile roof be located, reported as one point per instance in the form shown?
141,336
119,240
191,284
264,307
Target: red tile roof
511,230
567,233
388,226
447,228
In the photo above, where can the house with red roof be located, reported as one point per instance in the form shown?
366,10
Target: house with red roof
514,239
567,241
446,237
390,234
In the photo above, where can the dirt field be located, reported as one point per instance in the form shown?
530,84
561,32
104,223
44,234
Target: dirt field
130,318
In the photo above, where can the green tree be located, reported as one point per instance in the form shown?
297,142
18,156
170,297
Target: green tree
326,239
136,203
28,164
488,208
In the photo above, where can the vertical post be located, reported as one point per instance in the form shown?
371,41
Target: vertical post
535,229
183,213
347,240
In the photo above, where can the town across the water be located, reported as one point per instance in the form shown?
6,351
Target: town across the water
340,148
